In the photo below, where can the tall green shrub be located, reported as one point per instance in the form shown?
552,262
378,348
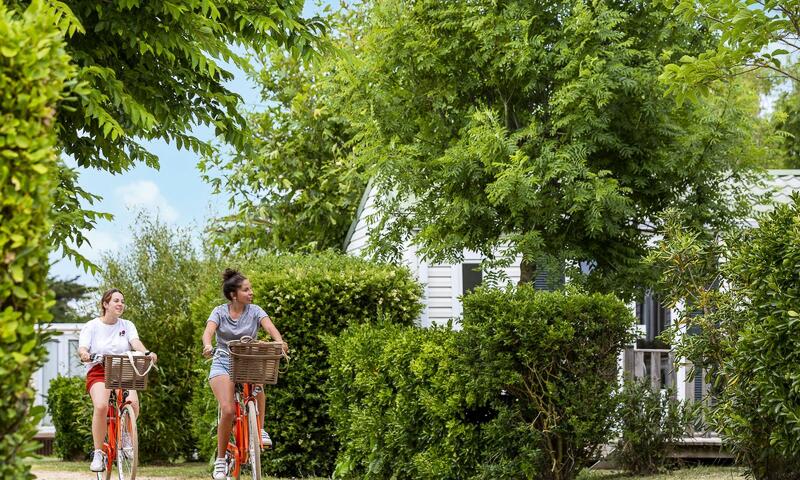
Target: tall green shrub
759,408
649,423
747,335
71,410
159,275
308,297
34,71
524,390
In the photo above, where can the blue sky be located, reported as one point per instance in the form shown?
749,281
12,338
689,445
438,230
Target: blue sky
175,192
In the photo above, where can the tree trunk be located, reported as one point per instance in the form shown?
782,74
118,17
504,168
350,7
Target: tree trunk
527,271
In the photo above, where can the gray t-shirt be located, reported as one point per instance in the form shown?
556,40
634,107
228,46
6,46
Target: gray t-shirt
229,329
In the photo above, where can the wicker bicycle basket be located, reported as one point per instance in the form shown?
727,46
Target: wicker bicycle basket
255,362
120,372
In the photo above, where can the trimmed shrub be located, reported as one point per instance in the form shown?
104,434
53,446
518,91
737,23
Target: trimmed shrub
158,275
397,407
524,390
307,297
650,422
71,410
34,71
554,354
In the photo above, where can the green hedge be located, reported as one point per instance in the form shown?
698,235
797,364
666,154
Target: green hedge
307,297
71,410
34,70
397,410
524,390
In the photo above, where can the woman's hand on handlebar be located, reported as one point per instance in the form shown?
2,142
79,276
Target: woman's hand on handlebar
208,351
85,357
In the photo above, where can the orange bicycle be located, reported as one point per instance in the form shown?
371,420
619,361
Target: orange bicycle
121,446
253,364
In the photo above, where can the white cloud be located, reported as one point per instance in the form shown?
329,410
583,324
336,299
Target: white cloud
146,195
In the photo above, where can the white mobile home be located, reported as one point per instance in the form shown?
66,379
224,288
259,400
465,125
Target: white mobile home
444,284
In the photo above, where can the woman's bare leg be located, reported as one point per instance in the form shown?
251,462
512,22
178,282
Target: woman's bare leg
222,386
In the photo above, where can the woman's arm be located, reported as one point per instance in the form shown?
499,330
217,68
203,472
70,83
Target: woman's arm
208,334
139,347
266,324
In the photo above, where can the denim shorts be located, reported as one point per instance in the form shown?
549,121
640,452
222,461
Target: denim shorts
220,365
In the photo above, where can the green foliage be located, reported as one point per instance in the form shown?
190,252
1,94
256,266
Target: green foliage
650,421
154,71
524,390
746,335
307,297
786,119
34,71
555,354
749,36
297,190
397,409
541,126
71,410
67,291
158,275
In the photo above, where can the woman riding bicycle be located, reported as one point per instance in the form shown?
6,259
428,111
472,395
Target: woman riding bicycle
232,321
106,335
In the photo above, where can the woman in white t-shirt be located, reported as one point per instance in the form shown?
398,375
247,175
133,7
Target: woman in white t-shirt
107,334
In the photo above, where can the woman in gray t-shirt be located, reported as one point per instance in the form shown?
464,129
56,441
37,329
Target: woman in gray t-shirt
227,322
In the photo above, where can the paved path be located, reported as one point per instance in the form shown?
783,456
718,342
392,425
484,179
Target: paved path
57,475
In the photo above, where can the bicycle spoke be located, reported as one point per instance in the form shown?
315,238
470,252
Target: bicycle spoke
127,445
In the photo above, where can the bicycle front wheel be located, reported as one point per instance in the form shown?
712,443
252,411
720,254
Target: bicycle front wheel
254,440
127,445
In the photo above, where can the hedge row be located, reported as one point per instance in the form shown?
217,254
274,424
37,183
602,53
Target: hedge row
34,69
308,297
524,390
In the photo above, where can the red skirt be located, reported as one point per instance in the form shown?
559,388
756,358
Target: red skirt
96,374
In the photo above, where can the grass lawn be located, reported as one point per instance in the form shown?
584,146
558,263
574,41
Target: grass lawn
179,471
696,473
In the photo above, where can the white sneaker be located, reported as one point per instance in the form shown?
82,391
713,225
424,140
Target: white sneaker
265,440
98,461
220,469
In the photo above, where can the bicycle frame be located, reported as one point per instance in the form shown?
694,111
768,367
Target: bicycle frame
240,447
116,402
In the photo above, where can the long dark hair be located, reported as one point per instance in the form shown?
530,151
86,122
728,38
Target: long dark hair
231,282
107,298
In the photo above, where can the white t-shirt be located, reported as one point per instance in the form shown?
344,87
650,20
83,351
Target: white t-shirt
107,339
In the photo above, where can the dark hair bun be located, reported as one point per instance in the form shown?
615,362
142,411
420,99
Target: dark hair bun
228,274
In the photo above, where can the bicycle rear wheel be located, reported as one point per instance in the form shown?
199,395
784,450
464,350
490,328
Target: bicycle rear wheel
127,445
254,440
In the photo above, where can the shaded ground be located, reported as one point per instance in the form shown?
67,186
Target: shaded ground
54,469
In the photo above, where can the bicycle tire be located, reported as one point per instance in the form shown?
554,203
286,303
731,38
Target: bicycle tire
255,440
127,455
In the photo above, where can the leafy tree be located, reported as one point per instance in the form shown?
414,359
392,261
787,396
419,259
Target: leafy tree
68,291
34,72
541,128
159,275
751,35
152,70
296,190
786,119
